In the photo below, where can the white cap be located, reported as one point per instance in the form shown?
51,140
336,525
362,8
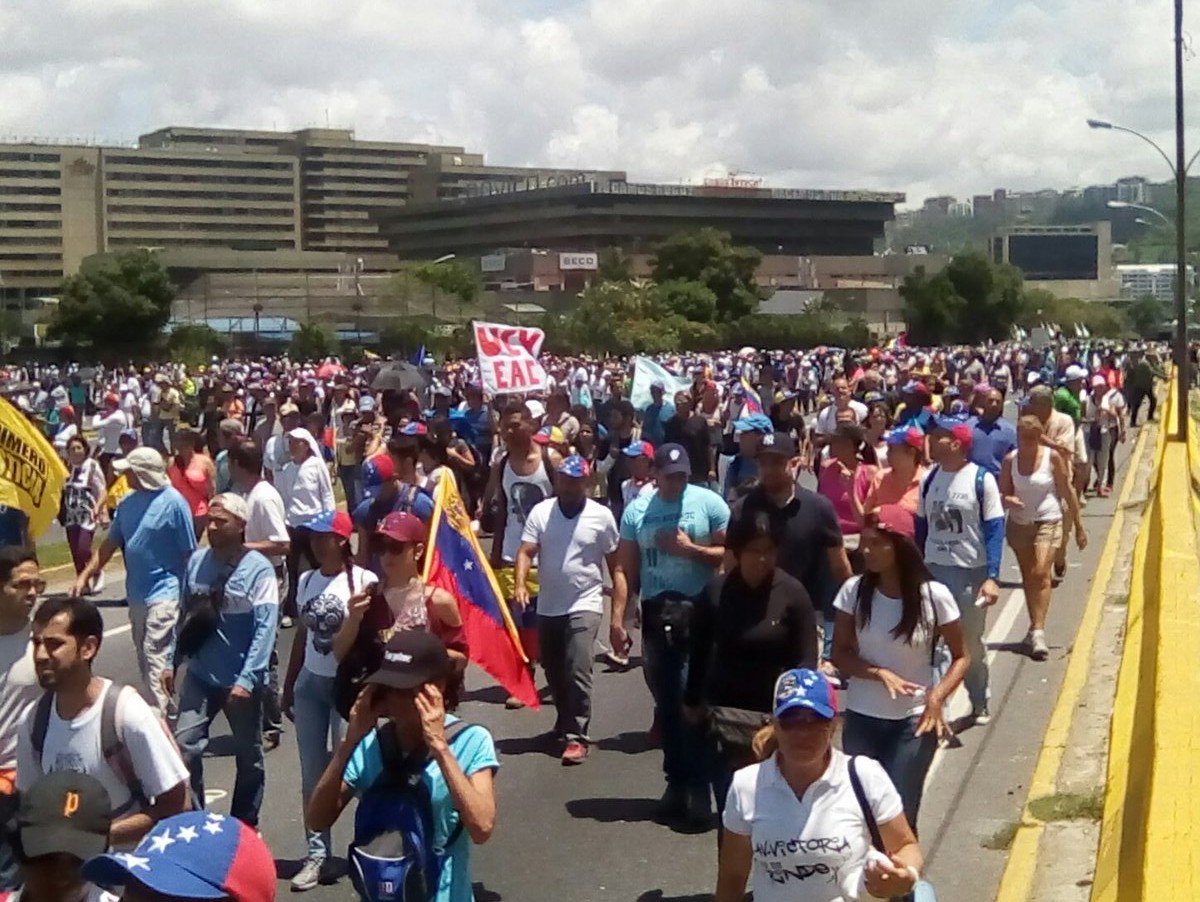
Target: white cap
234,504
536,408
1075,371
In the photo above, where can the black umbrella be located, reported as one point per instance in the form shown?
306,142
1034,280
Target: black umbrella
399,375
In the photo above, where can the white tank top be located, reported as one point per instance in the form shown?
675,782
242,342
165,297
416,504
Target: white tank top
1037,491
521,493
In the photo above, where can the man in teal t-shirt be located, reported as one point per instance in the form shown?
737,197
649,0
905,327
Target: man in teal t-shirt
672,542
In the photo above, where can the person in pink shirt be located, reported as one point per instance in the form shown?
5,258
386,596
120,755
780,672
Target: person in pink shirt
846,475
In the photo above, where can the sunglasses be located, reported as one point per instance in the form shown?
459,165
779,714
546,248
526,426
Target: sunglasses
391,546
24,585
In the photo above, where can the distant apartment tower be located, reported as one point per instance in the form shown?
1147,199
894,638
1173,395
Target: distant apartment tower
1154,279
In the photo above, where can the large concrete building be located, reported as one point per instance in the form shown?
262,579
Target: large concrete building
593,214
222,189
1070,261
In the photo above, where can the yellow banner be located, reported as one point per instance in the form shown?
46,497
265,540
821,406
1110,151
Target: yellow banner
31,475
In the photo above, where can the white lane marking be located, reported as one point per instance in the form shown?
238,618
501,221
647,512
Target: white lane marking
959,705
117,630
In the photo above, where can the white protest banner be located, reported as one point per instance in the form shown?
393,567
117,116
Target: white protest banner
645,373
508,358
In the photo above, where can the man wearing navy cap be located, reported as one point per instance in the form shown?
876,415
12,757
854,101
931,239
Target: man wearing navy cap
672,542
572,537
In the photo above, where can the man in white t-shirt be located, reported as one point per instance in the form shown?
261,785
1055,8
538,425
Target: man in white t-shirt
20,585
843,409
960,529
572,536
64,820
70,720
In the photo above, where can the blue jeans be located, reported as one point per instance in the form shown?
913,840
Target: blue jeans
964,586
905,756
351,478
319,729
199,704
685,750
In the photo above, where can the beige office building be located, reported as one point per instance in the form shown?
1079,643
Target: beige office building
221,189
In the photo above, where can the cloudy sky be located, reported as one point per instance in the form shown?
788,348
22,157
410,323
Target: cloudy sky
924,96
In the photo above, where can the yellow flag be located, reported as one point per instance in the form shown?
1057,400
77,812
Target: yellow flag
31,475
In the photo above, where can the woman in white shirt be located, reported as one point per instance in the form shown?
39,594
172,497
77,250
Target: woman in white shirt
1104,422
1035,485
888,623
82,505
796,825
307,490
324,598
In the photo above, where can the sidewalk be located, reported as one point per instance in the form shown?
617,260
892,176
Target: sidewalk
1053,852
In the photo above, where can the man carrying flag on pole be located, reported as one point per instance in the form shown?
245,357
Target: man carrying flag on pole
457,564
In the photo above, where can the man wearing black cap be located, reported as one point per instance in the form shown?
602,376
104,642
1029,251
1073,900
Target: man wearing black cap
812,549
62,822
672,542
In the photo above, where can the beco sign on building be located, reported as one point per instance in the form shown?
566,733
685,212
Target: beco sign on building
577,261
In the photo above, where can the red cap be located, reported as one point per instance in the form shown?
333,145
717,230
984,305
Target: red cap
895,519
403,527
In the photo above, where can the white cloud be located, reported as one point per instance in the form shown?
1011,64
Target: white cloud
945,96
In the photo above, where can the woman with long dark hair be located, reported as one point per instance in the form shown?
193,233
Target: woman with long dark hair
888,622
846,474
753,623
324,598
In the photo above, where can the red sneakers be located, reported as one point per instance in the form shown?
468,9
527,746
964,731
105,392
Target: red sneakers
575,753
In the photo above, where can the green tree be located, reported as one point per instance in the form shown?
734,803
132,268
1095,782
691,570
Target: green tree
932,308
10,329
614,265
405,336
693,301
452,278
709,256
1147,315
196,343
313,341
971,300
119,307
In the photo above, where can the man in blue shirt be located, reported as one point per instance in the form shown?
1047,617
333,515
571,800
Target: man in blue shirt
228,671
992,435
672,542
152,527
656,414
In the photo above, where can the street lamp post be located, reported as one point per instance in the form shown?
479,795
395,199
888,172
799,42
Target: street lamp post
1179,169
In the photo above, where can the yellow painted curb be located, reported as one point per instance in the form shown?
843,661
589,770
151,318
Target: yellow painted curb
1017,880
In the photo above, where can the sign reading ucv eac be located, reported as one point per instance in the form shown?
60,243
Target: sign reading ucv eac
508,358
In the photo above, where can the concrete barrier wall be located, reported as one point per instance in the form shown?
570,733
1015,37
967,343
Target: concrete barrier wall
1150,836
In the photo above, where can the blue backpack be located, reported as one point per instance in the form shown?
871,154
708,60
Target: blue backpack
393,857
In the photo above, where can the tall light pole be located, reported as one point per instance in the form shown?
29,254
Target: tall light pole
1179,169
1125,205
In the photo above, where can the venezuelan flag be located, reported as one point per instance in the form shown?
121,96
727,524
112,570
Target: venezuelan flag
753,399
456,563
